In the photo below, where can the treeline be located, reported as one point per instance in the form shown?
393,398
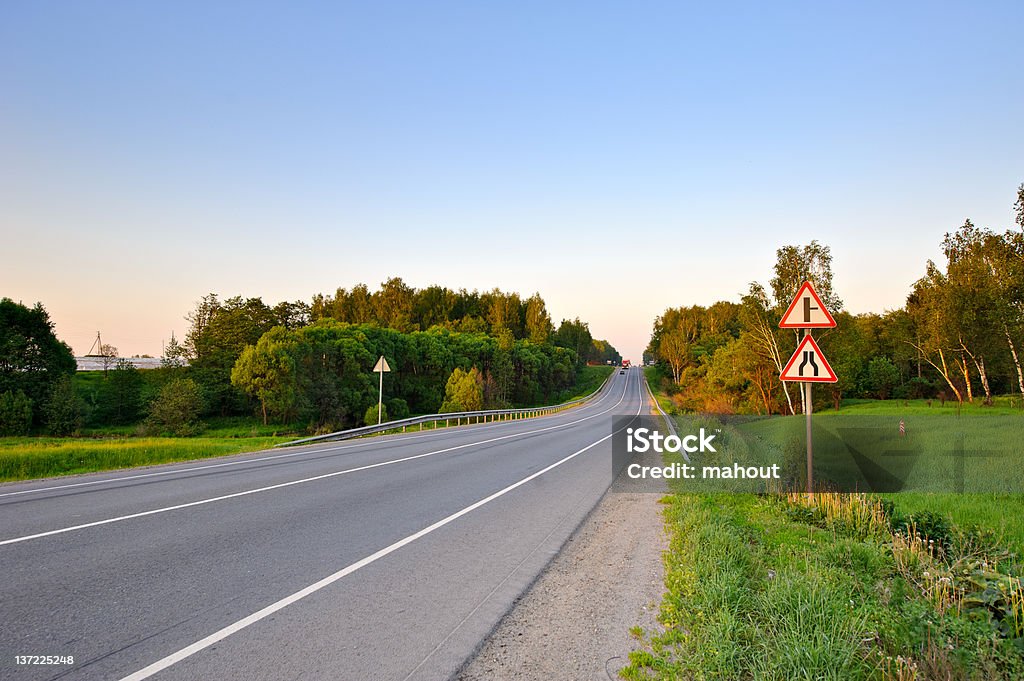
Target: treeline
321,374
959,336
396,305
307,365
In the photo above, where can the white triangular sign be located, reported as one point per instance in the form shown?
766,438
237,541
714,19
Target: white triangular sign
381,365
808,365
807,311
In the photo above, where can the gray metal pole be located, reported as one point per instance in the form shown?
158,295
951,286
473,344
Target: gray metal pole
380,397
810,450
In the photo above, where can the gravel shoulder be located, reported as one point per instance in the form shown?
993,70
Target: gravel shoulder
574,622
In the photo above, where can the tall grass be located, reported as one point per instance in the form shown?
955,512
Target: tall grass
28,458
826,587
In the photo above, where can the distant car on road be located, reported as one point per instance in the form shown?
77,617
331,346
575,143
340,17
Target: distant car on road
622,371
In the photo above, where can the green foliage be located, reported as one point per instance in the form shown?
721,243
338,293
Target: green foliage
119,400
370,417
176,408
960,334
64,409
754,593
464,391
32,360
243,353
320,373
15,413
396,408
575,335
219,333
266,371
883,376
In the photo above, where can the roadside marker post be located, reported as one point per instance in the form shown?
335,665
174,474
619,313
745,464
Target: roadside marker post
380,367
808,364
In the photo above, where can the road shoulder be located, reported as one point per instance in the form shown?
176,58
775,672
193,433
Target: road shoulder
575,621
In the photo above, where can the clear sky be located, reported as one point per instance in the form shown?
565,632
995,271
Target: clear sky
617,157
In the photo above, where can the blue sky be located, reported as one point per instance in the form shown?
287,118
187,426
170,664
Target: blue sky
618,158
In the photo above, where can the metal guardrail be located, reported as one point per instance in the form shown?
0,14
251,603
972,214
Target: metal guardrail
482,416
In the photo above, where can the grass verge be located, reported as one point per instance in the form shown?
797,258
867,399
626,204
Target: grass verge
764,587
26,458
588,379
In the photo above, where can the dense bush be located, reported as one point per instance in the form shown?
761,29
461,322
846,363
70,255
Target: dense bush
64,410
176,409
15,413
370,418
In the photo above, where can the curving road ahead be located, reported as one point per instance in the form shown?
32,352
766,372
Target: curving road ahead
389,558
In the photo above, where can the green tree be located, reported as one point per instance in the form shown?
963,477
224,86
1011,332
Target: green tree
796,264
219,333
846,349
464,391
266,371
15,413
32,359
538,321
883,376
64,409
433,306
120,394
370,417
175,355
176,408
359,306
392,304
674,349
334,381
575,335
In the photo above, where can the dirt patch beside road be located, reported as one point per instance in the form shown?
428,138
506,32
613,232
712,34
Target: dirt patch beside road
574,622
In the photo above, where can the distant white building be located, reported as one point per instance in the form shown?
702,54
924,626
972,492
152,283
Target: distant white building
94,363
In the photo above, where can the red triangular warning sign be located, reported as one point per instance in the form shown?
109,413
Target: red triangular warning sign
807,311
808,365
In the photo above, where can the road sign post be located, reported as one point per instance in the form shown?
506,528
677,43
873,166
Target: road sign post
810,445
380,367
808,365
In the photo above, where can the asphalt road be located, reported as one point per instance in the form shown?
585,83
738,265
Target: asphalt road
389,558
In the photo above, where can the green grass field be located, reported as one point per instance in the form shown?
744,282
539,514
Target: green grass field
1004,405
921,583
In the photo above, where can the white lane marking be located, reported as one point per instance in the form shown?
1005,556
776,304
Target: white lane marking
301,481
220,635
394,438
498,585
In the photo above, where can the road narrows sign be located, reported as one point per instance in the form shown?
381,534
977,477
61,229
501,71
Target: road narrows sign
807,311
808,365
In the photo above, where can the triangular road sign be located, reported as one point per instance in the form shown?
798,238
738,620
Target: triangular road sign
381,365
808,365
807,311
